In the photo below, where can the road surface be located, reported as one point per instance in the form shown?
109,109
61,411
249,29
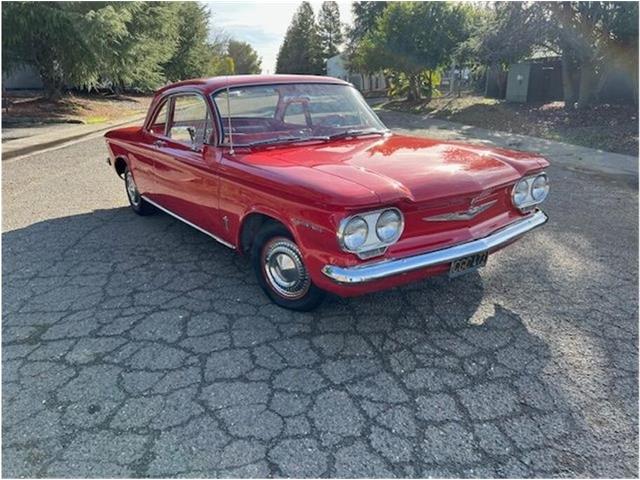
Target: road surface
139,347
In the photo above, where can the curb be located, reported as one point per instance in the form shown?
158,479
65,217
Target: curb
35,146
20,122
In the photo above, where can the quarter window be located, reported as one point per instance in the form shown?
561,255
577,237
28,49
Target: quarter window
159,123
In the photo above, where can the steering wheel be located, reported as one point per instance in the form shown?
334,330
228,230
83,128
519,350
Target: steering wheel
335,120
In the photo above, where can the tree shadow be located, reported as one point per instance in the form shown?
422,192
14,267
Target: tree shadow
430,379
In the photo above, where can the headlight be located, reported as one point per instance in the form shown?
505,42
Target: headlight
388,226
540,188
521,192
530,191
355,233
369,234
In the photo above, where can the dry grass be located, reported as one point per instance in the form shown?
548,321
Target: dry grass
76,108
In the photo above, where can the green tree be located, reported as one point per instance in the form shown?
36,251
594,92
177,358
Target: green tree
330,29
188,59
365,16
593,37
300,51
245,58
150,42
63,41
503,33
125,44
413,37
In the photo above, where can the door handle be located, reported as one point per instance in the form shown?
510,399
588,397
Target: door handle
160,143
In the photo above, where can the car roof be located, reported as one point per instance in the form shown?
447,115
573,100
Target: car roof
210,85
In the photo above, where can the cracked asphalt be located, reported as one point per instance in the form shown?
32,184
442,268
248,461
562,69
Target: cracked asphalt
139,347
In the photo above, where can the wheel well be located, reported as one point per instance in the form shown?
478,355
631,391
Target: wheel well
120,165
251,225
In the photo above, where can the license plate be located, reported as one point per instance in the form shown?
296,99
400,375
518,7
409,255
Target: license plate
468,264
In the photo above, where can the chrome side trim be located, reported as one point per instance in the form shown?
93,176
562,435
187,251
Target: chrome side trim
160,207
386,268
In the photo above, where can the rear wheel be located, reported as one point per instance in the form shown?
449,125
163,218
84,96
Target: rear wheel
280,269
136,201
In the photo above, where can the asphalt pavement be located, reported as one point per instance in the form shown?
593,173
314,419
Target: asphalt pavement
140,347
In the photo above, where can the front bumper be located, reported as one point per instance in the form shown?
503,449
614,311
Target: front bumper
386,268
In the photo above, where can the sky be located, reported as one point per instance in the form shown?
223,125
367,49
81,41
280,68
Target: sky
262,24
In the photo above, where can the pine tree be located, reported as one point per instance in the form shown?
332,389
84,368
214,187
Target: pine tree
191,49
330,29
300,51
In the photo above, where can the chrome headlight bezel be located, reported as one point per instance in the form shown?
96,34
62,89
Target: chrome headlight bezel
373,246
522,192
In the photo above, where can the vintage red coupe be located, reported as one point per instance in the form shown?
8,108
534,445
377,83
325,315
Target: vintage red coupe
299,173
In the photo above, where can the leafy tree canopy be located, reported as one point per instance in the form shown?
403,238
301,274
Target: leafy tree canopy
123,44
411,37
591,37
244,57
365,16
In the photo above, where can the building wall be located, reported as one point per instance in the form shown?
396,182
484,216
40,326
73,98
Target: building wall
537,81
336,67
366,83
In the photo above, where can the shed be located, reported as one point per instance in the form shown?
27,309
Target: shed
538,80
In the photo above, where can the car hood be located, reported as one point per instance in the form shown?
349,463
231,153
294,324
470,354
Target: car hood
398,167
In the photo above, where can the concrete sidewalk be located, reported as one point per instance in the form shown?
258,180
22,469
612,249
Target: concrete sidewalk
565,154
21,141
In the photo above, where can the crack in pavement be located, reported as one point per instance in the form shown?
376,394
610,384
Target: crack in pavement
138,347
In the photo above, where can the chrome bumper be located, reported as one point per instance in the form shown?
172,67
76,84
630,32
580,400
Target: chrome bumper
386,268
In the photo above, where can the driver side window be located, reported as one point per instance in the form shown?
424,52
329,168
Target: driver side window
191,123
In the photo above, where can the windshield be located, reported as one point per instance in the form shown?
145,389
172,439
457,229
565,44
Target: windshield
272,114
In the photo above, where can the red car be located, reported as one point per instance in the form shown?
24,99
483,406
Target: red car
299,173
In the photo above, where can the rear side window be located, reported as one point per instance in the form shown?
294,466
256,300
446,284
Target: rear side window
191,120
159,123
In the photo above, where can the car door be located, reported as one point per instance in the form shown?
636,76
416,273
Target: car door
143,154
185,164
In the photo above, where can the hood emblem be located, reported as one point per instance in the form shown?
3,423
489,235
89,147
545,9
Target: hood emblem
467,215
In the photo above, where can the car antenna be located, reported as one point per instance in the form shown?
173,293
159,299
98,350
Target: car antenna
229,118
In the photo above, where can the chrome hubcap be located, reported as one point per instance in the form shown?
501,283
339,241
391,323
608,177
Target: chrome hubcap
283,268
132,190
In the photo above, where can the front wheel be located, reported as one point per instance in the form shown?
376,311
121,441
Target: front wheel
136,201
280,269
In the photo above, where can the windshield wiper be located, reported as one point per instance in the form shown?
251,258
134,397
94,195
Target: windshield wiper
272,141
357,133
293,139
